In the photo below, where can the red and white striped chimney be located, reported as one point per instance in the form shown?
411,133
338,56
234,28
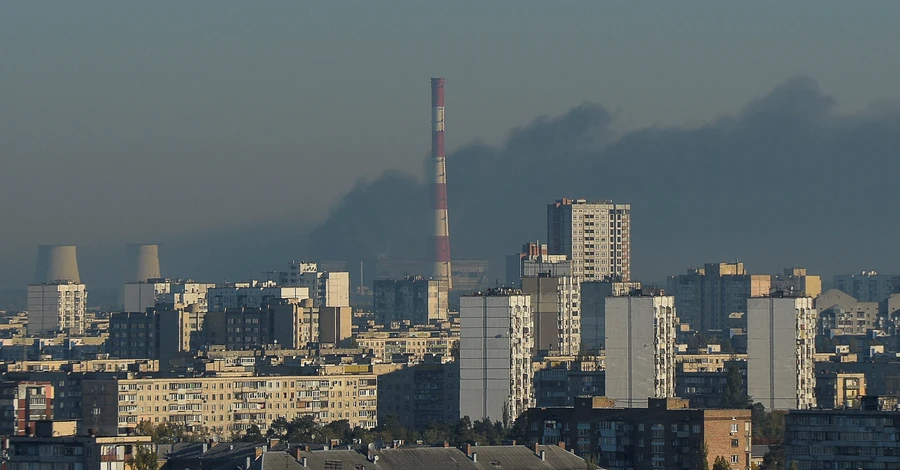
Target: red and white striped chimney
441,218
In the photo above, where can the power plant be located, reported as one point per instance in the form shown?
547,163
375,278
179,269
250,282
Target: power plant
441,258
143,262
56,263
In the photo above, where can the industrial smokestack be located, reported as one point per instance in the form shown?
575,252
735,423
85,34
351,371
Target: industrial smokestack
143,262
56,263
441,217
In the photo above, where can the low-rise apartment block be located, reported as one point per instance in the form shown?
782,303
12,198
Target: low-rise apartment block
115,405
844,439
667,434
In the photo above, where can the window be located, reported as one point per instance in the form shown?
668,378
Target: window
735,443
735,459
734,428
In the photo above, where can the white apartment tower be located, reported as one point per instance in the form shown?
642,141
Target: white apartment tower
781,347
640,348
596,236
56,306
495,353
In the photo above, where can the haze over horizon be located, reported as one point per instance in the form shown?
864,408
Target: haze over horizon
765,134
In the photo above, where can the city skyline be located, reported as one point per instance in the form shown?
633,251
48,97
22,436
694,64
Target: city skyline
150,127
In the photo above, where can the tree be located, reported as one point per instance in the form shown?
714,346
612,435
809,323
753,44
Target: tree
734,396
253,434
774,459
703,457
721,464
144,458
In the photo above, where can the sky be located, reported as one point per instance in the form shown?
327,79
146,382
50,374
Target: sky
182,121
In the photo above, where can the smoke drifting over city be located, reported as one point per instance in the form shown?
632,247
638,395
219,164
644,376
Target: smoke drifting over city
785,178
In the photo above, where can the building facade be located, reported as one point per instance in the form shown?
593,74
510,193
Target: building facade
781,352
156,333
252,294
640,348
839,390
868,286
115,406
555,307
139,296
420,394
841,314
421,301
594,235
667,434
495,350
327,288
56,306
23,404
708,297
843,439
798,281
593,310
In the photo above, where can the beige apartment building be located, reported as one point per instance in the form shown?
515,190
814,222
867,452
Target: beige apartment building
224,405
384,344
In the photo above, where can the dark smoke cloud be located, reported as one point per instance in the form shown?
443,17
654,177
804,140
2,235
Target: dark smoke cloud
785,181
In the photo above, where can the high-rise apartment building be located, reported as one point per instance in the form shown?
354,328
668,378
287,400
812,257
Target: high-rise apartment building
781,347
715,297
798,281
326,288
335,325
640,347
290,323
139,296
868,286
421,301
595,235
593,310
56,306
156,333
252,294
534,259
495,351
555,307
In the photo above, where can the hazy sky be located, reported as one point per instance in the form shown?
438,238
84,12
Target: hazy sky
124,121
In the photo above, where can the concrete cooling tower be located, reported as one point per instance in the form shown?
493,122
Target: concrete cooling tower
143,262
56,263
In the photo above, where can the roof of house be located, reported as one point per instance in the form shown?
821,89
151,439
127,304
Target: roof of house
437,458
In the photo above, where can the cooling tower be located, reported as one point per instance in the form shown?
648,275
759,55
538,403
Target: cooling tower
56,263
143,262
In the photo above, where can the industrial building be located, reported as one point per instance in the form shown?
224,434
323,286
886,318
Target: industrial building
495,350
595,235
